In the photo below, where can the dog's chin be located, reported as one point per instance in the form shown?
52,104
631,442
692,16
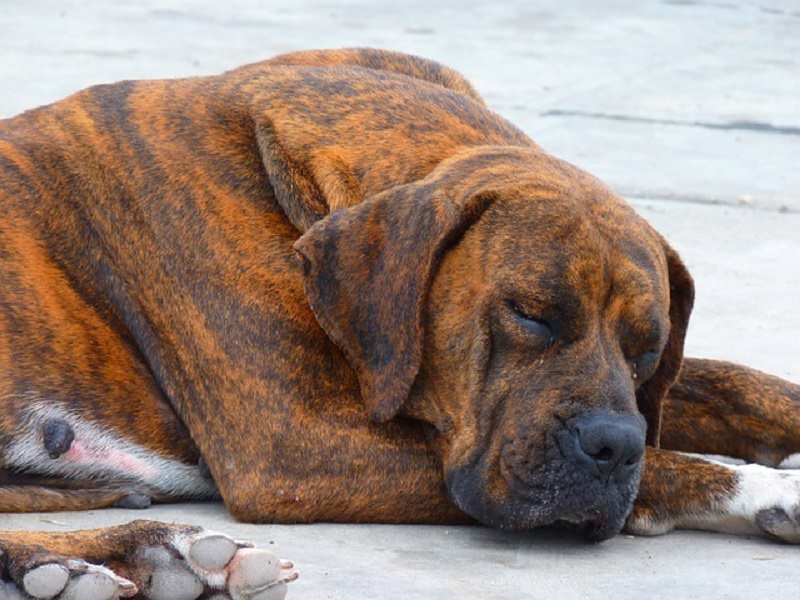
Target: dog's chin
596,526
555,496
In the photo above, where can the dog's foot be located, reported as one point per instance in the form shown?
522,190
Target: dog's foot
767,501
157,562
204,562
762,501
780,524
790,462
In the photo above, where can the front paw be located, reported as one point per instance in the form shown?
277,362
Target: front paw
159,562
747,499
777,523
194,564
769,499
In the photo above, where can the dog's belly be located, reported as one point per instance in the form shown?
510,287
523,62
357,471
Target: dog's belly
99,454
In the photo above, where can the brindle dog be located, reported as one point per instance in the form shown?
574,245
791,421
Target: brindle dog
334,286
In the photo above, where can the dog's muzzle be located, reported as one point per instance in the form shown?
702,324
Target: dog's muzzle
589,477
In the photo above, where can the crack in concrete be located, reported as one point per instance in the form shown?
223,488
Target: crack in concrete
644,196
755,126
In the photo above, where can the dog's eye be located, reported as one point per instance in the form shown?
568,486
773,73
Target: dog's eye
645,364
536,326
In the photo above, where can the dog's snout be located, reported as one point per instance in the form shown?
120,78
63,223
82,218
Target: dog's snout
608,445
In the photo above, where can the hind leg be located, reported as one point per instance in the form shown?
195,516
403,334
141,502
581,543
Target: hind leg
726,409
155,560
62,455
99,464
78,402
83,424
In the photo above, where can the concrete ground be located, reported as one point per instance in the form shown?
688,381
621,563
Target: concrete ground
688,108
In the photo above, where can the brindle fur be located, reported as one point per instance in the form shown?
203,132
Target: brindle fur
248,267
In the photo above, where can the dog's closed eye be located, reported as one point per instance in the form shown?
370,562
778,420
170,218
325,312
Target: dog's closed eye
537,327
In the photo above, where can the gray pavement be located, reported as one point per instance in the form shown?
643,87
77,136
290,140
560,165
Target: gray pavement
690,109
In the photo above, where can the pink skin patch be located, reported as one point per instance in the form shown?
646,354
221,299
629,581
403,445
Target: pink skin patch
111,458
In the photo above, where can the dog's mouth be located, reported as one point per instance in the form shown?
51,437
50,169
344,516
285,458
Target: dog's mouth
594,526
554,495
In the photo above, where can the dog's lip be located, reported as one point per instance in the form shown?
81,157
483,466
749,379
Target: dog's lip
593,524
599,529
584,518
590,509
596,523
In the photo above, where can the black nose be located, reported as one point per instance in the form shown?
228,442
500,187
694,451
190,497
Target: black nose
608,445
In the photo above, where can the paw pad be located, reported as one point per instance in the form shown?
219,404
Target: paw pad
187,565
46,581
75,580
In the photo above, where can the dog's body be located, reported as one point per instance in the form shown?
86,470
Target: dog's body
233,267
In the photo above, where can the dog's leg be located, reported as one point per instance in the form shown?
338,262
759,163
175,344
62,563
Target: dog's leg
64,455
155,560
719,408
725,409
691,492
37,498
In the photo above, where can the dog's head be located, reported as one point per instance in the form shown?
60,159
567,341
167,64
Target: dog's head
524,311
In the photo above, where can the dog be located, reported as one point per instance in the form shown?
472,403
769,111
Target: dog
335,286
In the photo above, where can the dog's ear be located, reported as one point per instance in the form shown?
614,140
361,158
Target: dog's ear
310,186
651,394
367,272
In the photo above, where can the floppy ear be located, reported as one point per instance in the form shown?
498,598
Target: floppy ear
652,393
367,272
307,187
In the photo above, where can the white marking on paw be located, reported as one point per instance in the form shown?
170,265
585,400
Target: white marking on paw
716,458
790,462
99,452
758,489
